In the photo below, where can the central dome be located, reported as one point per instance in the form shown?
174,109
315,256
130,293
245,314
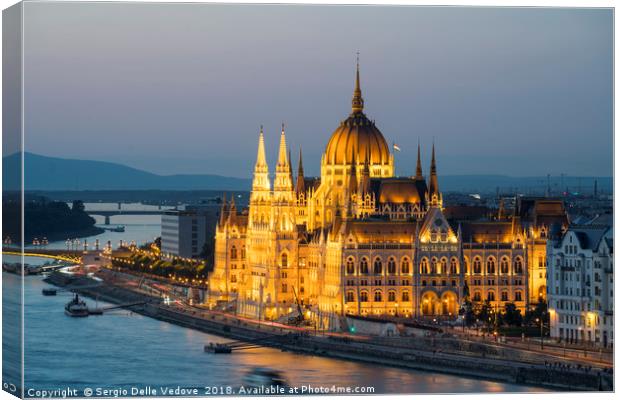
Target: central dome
357,138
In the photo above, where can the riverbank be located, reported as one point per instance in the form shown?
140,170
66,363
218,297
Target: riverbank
389,354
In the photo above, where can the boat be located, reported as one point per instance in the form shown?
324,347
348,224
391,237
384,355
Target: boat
119,228
264,377
218,348
49,292
76,307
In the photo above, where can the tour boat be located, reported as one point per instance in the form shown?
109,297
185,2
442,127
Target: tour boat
119,228
49,292
264,377
76,308
218,348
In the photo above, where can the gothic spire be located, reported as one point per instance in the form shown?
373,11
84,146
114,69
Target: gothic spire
357,104
282,157
418,169
301,184
433,185
261,158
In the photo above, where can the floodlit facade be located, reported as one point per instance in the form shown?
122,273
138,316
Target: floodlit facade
581,297
358,240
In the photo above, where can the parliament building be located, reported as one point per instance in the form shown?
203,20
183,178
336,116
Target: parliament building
361,241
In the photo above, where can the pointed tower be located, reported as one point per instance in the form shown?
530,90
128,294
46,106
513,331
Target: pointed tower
433,189
261,169
364,187
223,216
283,181
418,168
352,188
357,103
300,186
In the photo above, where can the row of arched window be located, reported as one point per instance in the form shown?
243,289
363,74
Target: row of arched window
377,296
504,265
518,296
435,266
234,253
377,266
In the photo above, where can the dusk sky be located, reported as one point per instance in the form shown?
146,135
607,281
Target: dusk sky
183,88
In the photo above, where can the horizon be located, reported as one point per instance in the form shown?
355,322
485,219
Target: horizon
520,92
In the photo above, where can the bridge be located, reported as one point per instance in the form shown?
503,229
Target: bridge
109,213
72,256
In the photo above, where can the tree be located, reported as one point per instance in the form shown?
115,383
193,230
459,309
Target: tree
512,316
540,312
78,205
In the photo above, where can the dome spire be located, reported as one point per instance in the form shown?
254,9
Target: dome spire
357,104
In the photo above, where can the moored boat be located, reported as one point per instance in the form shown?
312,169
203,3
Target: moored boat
218,348
76,307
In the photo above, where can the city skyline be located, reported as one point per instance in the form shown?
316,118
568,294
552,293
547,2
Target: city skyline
522,92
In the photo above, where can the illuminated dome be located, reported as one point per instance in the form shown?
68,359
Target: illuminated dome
357,137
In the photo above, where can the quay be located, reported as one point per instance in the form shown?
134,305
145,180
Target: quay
492,363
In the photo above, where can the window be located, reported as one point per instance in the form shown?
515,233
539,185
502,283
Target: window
391,296
364,266
350,296
378,296
518,265
477,296
503,265
404,266
424,266
284,288
233,278
444,266
243,252
490,265
433,265
491,296
405,296
284,260
350,266
504,296
391,266
233,252
453,266
363,296
518,296
378,267
477,265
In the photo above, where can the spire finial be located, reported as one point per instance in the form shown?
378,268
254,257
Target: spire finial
418,169
261,159
357,104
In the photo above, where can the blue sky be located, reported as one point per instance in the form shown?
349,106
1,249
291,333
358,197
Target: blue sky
183,88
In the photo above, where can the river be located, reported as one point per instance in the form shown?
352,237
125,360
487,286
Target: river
121,350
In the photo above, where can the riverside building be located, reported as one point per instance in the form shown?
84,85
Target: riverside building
581,289
358,240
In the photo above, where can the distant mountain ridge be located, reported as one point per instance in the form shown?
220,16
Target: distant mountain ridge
51,173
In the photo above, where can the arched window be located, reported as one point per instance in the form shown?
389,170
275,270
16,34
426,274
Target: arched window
350,296
233,252
364,266
284,260
491,295
243,252
424,266
405,296
363,296
503,265
518,296
504,296
404,266
391,296
477,265
490,265
378,267
453,266
444,266
391,266
433,265
477,296
378,295
350,266
518,265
